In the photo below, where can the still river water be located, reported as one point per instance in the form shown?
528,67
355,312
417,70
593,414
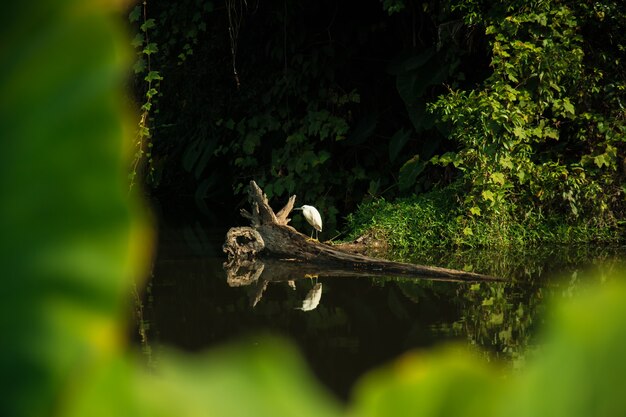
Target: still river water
347,326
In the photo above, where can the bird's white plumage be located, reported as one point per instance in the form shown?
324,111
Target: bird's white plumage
312,216
312,299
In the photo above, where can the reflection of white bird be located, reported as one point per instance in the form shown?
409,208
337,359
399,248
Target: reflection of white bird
312,298
313,217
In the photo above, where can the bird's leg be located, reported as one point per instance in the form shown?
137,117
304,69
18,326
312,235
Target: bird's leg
311,238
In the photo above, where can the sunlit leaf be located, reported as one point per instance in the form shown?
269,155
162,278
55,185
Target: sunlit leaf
496,318
488,195
498,178
600,161
475,211
568,106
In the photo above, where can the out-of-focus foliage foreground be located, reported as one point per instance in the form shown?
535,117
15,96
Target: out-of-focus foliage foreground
74,242
514,108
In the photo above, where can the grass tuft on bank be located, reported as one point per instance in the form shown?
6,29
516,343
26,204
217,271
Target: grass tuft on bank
437,220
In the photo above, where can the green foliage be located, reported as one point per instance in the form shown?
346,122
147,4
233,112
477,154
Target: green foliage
438,220
497,316
419,222
520,102
536,137
71,241
446,382
297,146
166,36
74,242
393,6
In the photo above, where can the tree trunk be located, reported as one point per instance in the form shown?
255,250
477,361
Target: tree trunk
270,236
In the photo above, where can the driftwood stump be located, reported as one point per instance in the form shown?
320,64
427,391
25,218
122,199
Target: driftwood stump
270,246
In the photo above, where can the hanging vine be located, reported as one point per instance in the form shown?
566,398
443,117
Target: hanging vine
152,79
235,10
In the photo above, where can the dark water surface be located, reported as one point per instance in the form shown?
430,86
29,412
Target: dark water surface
359,323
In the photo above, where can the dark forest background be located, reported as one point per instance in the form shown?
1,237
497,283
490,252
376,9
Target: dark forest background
512,108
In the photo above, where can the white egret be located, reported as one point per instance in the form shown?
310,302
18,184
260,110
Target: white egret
313,217
312,299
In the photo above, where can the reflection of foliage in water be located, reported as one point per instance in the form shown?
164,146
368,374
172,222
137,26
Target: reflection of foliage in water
502,316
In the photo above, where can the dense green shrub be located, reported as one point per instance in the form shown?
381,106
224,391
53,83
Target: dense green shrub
437,220
545,133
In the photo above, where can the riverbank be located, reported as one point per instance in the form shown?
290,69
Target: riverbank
437,220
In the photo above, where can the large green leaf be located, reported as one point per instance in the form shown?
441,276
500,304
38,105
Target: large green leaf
581,370
263,377
67,243
449,382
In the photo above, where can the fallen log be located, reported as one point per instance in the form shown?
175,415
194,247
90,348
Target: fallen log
270,236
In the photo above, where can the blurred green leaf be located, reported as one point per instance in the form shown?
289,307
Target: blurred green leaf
581,370
135,14
140,66
264,377
568,106
498,178
488,195
137,40
69,247
448,382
